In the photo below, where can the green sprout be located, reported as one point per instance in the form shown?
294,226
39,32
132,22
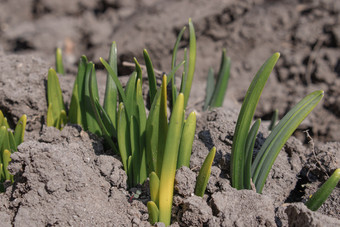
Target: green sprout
204,174
59,61
215,91
319,197
242,171
189,65
9,142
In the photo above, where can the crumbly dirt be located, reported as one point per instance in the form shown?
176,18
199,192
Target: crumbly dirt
65,178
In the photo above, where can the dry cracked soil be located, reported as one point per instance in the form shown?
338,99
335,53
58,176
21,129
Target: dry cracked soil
69,178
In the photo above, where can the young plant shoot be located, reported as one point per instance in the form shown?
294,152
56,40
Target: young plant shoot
243,142
215,91
319,197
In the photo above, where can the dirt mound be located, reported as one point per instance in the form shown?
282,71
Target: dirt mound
66,179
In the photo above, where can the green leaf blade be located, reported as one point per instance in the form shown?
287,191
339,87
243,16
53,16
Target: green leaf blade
153,212
249,152
244,120
167,176
222,81
187,139
278,137
151,75
192,62
19,131
54,95
204,174
319,197
111,92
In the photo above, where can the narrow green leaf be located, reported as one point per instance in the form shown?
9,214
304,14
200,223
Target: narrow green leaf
187,139
11,140
54,94
106,124
77,106
138,70
185,71
141,116
110,100
1,118
204,174
3,138
19,131
244,120
167,176
250,142
151,131
173,64
153,212
2,176
278,137
192,62
163,126
172,73
49,118
174,51
6,157
210,88
91,82
130,91
123,136
135,153
151,75
222,81
274,119
154,187
319,197
101,118
129,171
59,61
114,76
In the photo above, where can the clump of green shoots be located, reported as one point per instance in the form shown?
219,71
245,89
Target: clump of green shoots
150,146
9,142
80,111
243,170
216,90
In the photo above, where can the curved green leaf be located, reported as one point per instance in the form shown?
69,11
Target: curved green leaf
249,152
167,177
110,100
151,75
244,120
278,137
319,197
192,62
153,212
204,174
19,131
187,139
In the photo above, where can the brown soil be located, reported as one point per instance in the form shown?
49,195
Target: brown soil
68,178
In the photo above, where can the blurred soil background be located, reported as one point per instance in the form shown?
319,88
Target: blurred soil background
305,32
